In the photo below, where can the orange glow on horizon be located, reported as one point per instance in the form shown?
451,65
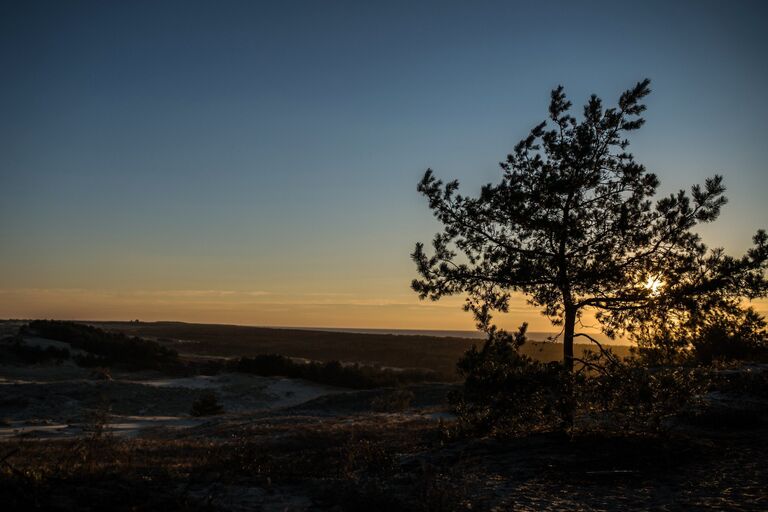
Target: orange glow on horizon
262,308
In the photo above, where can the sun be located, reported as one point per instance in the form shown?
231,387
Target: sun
654,284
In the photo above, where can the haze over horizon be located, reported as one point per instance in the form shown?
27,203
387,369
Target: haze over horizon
242,164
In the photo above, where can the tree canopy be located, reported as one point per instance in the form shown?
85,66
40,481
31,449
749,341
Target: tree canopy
572,225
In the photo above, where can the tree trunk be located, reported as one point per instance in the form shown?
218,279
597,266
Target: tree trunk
568,331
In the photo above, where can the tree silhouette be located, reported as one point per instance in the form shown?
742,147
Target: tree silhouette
571,225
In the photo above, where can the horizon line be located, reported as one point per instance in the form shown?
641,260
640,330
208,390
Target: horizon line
447,333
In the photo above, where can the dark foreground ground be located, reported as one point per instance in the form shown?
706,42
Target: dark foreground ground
71,439
335,453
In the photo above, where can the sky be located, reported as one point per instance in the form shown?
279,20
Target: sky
256,162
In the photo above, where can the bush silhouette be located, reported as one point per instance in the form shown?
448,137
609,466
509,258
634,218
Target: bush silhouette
206,405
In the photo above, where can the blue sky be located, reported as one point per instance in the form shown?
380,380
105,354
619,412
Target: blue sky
264,155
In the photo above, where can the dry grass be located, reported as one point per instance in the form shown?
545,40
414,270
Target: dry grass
377,463
100,473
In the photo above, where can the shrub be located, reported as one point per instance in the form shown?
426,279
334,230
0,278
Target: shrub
393,401
737,336
629,395
718,332
101,374
206,405
506,392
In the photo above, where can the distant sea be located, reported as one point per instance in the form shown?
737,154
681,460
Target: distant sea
400,332
532,335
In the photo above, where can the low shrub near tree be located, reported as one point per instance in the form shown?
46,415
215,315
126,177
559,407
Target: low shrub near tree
505,391
717,331
629,395
508,394
738,335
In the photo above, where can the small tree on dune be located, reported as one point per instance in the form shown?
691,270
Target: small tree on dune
572,226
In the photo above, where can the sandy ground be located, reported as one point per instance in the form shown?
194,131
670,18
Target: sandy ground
62,400
54,401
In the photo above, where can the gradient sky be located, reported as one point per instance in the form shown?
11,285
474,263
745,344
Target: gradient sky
256,162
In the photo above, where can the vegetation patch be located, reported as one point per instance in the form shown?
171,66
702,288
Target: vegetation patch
332,373
105,348
28,354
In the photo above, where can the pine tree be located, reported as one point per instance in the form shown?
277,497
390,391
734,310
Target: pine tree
572,225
